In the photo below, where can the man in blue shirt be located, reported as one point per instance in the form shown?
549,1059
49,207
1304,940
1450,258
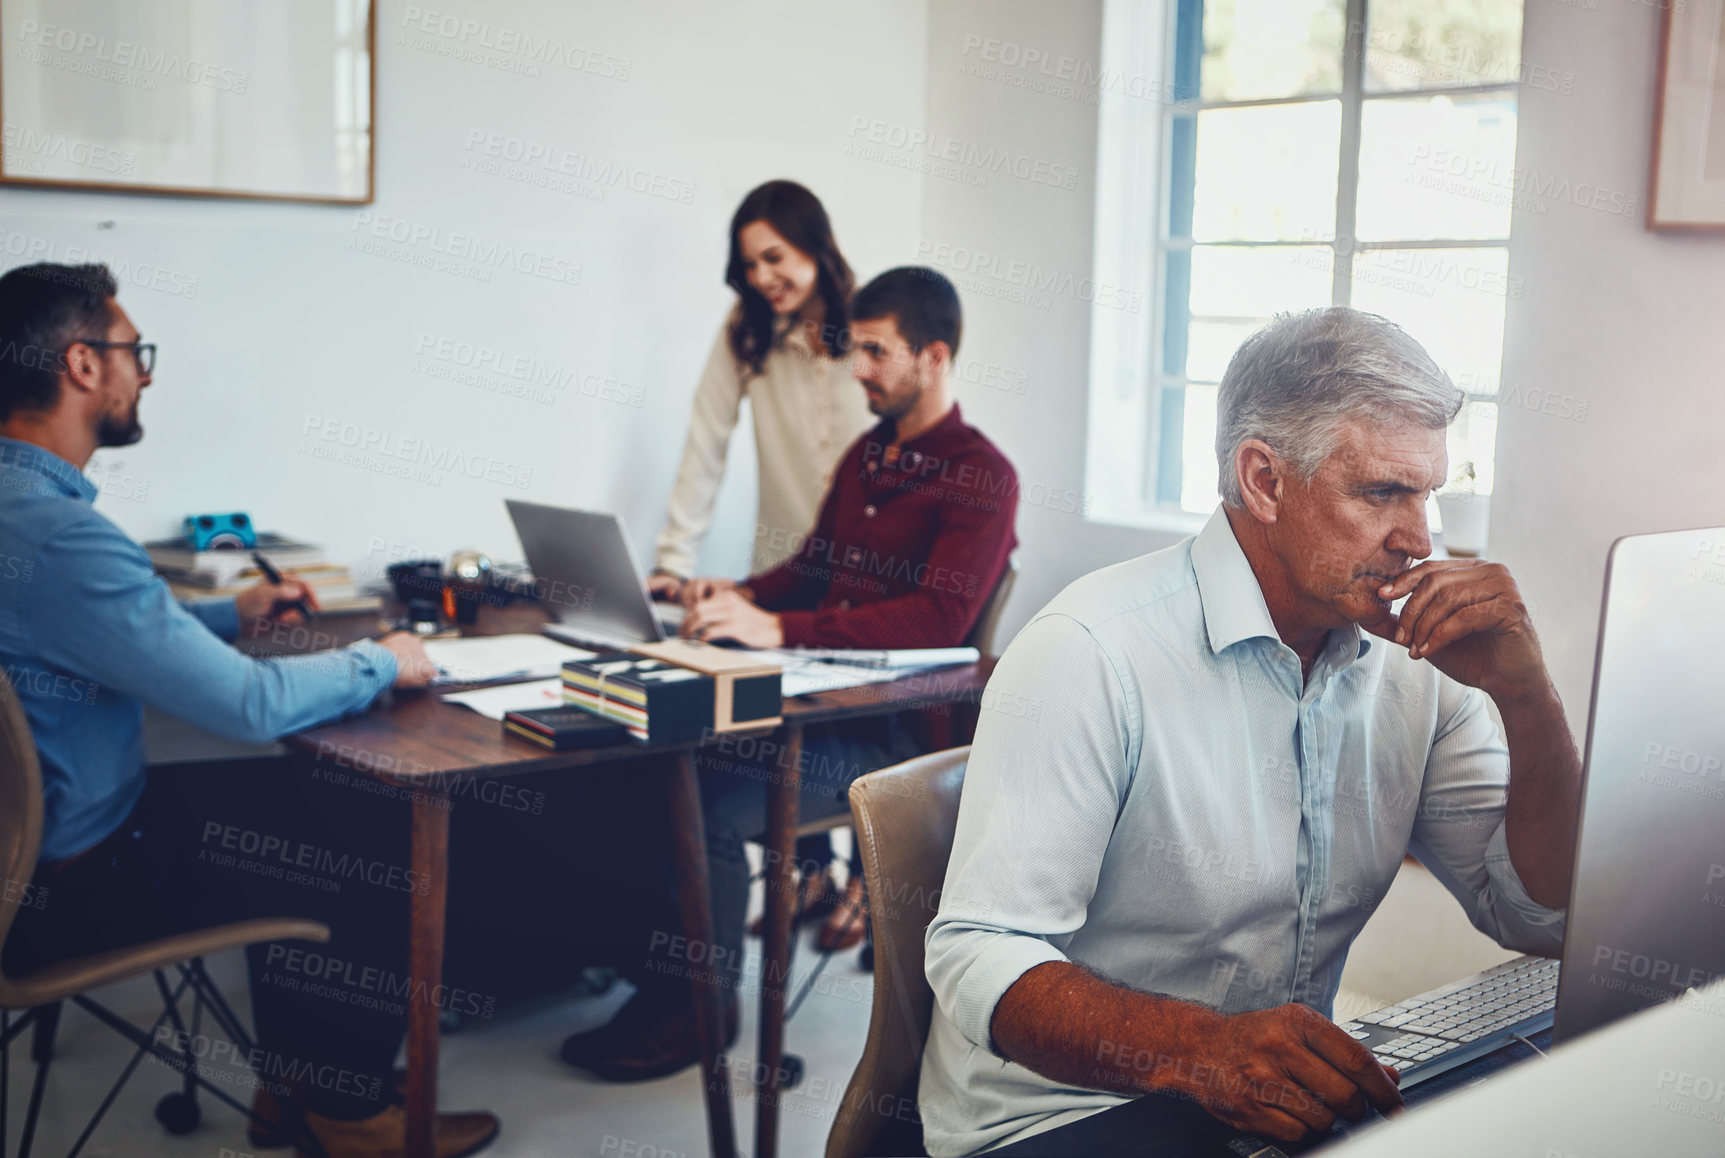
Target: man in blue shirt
88,635
1158,872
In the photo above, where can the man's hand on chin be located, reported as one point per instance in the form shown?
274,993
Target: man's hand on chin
725,614
1467,617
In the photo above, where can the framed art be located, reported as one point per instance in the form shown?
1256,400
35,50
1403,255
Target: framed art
268,99
1687,189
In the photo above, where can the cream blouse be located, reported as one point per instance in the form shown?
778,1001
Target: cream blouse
807,411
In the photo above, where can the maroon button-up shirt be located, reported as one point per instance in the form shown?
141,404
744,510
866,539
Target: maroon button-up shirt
902,555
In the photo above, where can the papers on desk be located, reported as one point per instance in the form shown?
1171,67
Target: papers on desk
801,677
494,703
807,670
492,658
907,659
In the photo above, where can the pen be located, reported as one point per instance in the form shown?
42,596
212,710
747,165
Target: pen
275,577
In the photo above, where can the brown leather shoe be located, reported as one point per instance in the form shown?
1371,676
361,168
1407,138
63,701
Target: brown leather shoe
271,1125
651,1042
385,1135
816,897
275,1103
845,926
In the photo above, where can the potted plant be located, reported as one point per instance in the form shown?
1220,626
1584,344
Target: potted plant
1464,512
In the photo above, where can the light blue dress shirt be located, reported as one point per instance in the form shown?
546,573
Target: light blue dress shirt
89,633
1160,797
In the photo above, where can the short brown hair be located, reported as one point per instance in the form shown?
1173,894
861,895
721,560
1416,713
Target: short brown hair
43,309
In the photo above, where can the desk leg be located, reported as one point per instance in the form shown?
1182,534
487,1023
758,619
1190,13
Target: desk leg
784,791
425,965
695,898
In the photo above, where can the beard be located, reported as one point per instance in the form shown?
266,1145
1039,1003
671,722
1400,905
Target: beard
120,431
896,408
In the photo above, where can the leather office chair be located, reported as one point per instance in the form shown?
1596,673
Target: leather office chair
905,819
982,632
42,993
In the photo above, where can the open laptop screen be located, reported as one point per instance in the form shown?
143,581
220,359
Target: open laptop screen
585,573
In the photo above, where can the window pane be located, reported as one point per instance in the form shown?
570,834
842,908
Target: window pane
1441,43
1437,167
1473,439
1198,451
1211,344
1267,173
1259,49
1252,283
1450,300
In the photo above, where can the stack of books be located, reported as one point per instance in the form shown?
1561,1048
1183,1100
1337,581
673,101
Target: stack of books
657,702
563,729
225,572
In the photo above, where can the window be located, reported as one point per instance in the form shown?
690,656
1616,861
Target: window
1314,152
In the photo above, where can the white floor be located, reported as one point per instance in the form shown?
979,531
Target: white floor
508,1065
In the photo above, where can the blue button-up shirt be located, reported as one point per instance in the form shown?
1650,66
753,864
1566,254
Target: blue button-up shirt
88,634
1160,796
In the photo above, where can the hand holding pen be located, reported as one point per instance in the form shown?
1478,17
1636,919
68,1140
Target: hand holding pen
276,597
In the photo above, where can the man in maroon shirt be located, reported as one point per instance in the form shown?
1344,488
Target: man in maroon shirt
912,537
917,525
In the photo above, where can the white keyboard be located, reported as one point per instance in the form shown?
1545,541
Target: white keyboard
1455,1023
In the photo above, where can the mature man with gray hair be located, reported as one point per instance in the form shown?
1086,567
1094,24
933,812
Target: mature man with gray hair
1157,876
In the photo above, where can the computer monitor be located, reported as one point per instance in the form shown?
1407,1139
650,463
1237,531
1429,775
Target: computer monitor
1647,902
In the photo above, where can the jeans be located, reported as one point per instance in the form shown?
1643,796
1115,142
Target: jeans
734,775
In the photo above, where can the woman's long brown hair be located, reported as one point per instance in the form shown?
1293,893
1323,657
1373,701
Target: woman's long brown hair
800,219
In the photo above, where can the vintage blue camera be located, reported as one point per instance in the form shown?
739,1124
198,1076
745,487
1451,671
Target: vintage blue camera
209,532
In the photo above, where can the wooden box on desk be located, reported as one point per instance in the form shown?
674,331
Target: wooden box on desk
746,690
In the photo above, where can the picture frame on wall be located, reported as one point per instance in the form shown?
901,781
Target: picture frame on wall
262,100
1687,186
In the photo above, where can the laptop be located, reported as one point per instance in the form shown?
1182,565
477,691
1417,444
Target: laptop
586,576
1647,901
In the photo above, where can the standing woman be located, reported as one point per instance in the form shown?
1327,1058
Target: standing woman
784,347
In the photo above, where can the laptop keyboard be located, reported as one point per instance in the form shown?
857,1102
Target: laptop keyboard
1436,1031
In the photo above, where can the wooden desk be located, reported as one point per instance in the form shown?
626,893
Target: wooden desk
414,740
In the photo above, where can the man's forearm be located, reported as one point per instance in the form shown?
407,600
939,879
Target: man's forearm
1544,795
1071,1026
221,616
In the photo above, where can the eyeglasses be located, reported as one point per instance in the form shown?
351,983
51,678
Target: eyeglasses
144,352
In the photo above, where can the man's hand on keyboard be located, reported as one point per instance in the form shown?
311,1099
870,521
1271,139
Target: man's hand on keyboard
728,615
693,591
1283,1072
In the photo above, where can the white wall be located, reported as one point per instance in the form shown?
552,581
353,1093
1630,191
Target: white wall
993,238
290,327
1624,320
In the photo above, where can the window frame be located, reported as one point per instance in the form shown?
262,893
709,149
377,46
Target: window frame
1163,462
